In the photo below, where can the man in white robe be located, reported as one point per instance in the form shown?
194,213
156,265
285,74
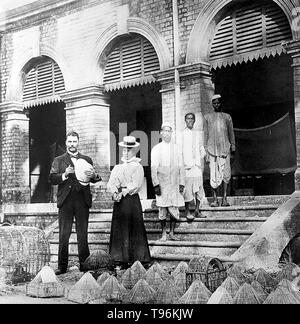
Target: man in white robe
167,174
193,160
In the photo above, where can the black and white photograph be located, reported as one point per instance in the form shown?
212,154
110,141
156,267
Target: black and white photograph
149,154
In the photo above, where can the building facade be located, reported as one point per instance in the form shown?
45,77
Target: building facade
112,68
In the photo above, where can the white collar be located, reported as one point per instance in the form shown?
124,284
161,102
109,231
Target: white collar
133,159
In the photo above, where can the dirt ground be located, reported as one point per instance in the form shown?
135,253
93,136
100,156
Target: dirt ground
17,294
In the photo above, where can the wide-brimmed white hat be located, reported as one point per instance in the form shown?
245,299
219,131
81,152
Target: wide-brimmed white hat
81,166
166,124
216,96
129,141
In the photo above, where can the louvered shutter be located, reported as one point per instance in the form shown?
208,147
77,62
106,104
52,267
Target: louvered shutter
130,63
43,84
249,33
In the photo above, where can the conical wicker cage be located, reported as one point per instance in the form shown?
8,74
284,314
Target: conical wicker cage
259,290
220,296
167,293
181,267
287,271
101,279
163,272
180,282
197,293
288,285
128,279
238,272
231,285
24,251
266,280
281,295
137,270
246,295
98,260
111,290
84,290
45,284
153,279
141,293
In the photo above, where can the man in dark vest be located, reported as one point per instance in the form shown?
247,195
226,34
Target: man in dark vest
74,199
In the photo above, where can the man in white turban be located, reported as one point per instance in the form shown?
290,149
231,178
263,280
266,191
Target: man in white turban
220,148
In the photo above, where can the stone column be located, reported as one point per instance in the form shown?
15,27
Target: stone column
87,112
14,154
293,48
196,89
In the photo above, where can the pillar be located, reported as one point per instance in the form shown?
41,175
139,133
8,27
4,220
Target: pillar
14,154
87,112
293,48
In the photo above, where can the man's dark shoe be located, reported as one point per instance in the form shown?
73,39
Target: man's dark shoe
190,217
59,272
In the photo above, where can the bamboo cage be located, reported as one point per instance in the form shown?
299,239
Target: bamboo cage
24,251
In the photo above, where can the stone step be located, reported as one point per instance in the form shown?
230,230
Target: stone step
184,234
250,223
170,247
233,211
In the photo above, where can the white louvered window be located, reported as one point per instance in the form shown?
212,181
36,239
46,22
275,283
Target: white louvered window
259,29
43,84
130,63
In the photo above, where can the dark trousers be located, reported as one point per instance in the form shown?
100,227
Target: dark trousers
73,206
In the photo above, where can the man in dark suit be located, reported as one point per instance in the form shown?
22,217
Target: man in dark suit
73,199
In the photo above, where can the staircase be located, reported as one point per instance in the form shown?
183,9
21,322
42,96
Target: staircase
219,235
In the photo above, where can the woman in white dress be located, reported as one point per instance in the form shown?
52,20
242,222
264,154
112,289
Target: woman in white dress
128,239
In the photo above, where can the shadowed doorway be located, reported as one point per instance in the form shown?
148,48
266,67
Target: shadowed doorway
47,131
139,108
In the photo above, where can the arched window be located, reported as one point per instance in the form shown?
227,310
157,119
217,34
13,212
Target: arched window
249,32
43,84
130,63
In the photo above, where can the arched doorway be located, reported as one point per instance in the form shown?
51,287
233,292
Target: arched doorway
135,99
47,124
254,75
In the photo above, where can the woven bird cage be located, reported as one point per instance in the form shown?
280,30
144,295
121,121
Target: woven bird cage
84,290
259,290
167,293
239,273
181,267
98,262
153,278
287,271
112,291
141,293
196,294
266,280
209,270
180,282
281,295
128,279
220,296
45,284
246,295
138,270
24,251
231,285
101,279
